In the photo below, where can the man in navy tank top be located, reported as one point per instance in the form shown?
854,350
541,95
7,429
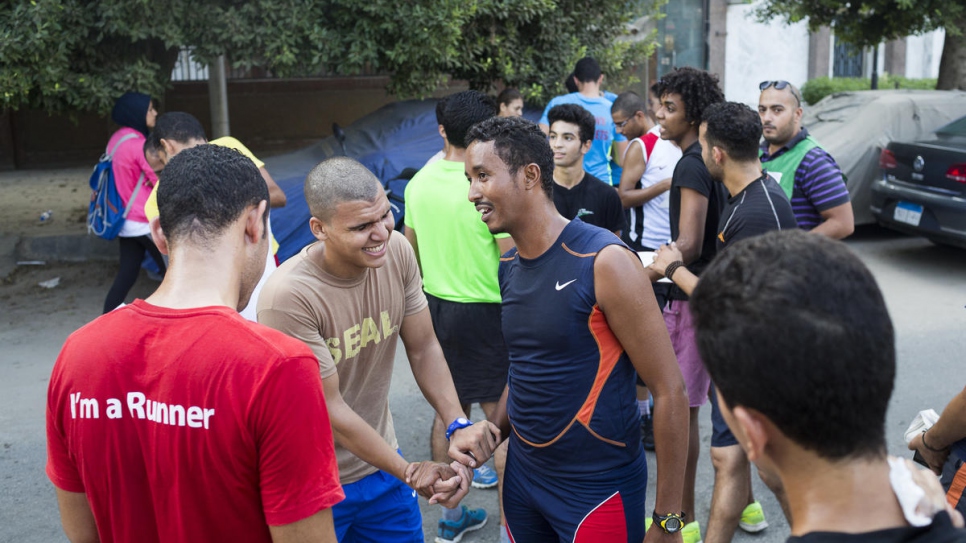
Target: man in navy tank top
579,320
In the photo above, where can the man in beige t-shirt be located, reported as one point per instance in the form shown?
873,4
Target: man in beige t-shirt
349,296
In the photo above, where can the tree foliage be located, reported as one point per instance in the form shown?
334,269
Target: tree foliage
867,23
72,55
81,54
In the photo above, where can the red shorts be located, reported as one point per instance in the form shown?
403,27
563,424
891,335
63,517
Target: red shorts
604,507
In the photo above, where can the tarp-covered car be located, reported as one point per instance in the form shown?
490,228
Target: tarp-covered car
855,126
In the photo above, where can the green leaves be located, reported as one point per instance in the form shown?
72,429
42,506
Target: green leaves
866,23
81,54
70,55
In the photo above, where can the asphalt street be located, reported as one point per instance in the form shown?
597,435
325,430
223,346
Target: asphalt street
924,286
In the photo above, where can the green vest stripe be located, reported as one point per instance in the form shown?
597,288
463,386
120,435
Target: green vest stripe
786,164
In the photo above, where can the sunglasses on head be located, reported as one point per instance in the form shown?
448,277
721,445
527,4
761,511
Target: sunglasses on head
779,85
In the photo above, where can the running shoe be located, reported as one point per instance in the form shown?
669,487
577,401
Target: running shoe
691,533
753,518
484,477
647,523
453,531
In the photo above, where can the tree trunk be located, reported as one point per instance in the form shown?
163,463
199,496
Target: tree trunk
952,66
875,67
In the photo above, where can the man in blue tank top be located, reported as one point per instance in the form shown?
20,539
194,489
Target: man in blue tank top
579,320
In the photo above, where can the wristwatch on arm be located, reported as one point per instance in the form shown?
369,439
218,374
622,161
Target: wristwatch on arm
670,523
461,422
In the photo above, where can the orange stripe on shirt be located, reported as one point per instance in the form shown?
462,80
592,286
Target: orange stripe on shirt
581,255
610,352
955,492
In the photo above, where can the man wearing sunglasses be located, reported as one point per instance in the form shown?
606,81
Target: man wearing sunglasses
808,174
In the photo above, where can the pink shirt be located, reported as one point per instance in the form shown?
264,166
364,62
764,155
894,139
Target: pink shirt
129,163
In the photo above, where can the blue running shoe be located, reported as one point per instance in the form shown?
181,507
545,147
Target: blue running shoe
452,531
484,477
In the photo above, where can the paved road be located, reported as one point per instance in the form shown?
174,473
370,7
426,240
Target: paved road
924,285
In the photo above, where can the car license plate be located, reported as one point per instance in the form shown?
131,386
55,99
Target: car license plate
908,213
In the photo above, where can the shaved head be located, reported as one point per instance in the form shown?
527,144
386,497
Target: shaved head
338,180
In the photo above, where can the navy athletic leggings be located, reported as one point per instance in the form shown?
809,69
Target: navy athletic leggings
132,254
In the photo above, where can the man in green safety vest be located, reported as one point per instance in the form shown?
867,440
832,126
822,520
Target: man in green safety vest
806,172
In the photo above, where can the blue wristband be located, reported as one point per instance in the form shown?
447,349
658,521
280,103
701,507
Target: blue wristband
461,422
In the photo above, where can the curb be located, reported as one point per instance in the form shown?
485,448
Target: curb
8,255
66,248
55,248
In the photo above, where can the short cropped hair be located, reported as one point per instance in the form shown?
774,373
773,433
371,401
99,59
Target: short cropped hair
150,146
177,126
587,70
337,180
517,142
628,103
508,95
569,83
463,110
440,110
734,127
698,90
204,189
574,114
792,325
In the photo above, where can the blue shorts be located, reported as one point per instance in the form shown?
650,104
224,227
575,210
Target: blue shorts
378,508
601,507
721,435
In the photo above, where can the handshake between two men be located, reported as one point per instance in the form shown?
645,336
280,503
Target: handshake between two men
447,484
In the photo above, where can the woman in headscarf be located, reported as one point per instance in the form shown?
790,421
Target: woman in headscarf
135,114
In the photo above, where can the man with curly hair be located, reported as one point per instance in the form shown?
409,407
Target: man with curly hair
729,135
695,206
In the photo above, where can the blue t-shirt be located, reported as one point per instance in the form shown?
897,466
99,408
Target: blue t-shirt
597,160
572,400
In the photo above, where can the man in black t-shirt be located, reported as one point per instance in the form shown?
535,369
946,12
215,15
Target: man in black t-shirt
576,193
729,141
694,205
798,340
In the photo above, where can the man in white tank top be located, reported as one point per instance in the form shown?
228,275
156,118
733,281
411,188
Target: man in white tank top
648,164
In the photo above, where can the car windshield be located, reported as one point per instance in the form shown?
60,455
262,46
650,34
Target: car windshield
955,128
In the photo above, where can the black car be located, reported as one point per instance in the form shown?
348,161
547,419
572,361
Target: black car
923,186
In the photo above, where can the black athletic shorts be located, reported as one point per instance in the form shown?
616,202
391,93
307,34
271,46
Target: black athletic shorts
471,336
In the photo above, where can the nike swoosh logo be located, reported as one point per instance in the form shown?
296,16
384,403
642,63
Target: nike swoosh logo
563,286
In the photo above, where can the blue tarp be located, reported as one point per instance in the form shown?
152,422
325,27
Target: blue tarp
387,141
395,137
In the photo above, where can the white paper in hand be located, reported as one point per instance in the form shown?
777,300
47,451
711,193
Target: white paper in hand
923,421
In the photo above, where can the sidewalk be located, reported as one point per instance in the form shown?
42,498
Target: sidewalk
24,195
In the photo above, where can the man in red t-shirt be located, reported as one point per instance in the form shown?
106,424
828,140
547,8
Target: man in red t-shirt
175,419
